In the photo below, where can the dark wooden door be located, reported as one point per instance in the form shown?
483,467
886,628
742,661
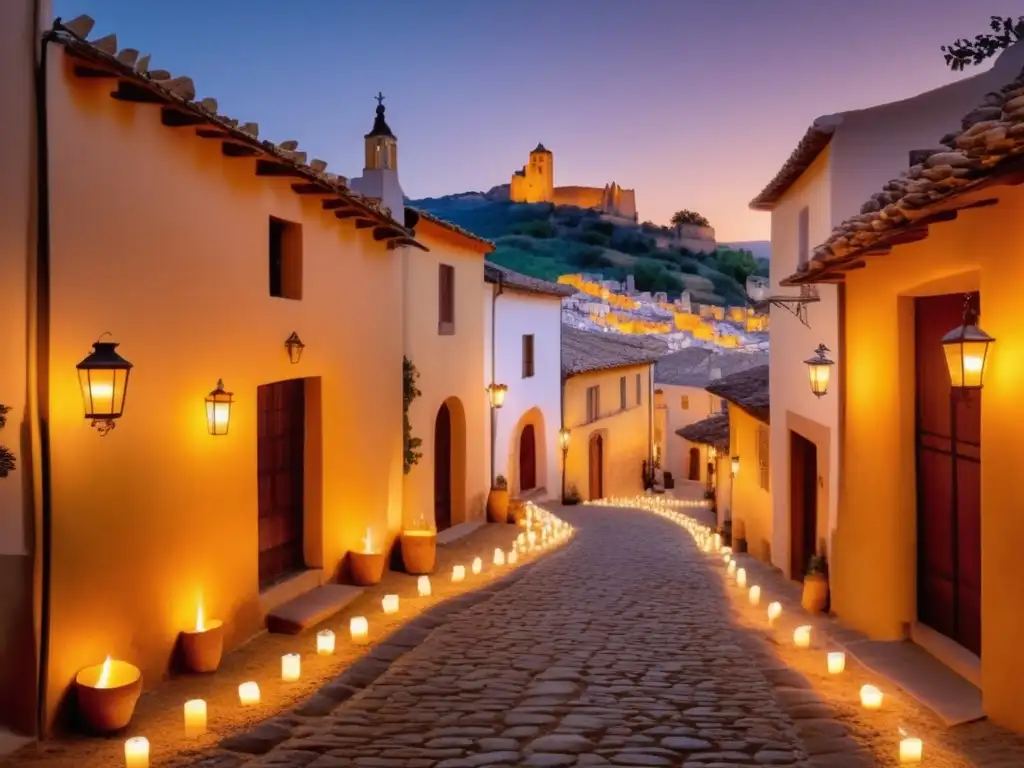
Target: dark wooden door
948,482
280,447
443,468
694,463
803,504
527,459
596,467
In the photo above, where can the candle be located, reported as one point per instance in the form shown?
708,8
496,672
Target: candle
521,539
718,542
870,697
802,637
774,611
512,557
499,557
195,717
325,642
390,603
136,752
458,572
836,663
731,569
249,694
726,557
741,578
291,666
910,751
423,586
359,629
478,565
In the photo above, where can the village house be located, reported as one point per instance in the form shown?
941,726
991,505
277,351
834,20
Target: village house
711,436
522,342
924,544
842,160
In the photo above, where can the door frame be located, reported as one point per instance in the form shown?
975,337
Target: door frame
533,452
803,503
596,444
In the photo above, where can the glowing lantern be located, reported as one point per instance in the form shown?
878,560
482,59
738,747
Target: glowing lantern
325,642
819,369
735,466
496,393
836,663
563,439
802,637
103,378
294,346
870,697
218,410
966,349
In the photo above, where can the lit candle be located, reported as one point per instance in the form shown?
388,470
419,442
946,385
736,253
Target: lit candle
726,557
870,697
390,603
325,642
755,595
774,611
521,539
195,717
423,586
802,637
136,752
291,667
911,750
458,572
512,557
741,578
836,663
249,694
359,629
478,565
718,542
731,569
499,557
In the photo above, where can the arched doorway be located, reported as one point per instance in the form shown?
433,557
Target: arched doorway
527,459
443,468
596,467
694,463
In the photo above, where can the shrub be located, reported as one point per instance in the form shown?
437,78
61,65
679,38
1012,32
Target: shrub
539,228
592,238
604,227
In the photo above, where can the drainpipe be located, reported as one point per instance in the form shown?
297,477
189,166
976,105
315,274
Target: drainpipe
41,363
561,396
495,293
650,421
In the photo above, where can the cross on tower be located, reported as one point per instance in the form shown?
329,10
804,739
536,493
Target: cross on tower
380,99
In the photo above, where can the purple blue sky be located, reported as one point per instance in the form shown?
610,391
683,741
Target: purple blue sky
694,103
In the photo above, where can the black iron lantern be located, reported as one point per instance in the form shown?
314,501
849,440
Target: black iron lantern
218,410
294,346
819,369
103,378
966,349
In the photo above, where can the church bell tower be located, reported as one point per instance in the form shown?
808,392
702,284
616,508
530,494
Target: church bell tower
380,173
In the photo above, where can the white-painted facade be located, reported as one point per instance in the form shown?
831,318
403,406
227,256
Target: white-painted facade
868,148
676,407
532,402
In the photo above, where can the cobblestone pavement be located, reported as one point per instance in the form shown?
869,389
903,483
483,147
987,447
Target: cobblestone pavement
617,650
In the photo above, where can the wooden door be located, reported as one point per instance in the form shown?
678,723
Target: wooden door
280,449
527,459
596,467
948,441
803,504
443,468
694,463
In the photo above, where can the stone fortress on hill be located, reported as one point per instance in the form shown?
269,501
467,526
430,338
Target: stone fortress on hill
535,183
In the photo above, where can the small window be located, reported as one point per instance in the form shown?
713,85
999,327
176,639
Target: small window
763,449
445,299
593,403
639,390
684,402
803,236
622,392
285,259
527,355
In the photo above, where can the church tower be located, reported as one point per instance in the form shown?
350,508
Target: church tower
380,174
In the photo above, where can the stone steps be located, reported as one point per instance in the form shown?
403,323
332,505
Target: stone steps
310,608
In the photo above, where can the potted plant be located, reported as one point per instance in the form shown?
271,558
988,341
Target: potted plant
572,496
815,594
419,547
497,501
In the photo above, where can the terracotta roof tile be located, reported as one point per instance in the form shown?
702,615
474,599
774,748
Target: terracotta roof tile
714,431
516,281
589,351
693,366
807,150
444,223
747,390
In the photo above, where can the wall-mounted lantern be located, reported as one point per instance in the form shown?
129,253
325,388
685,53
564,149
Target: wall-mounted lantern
712,453
819,368
218,410
966,349
294,346
496,393
735,465
564,436
103,378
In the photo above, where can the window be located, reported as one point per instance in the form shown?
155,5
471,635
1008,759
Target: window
639,390
803,252
593,403
622,392
527,355
284,251
445,299
684,402
763,455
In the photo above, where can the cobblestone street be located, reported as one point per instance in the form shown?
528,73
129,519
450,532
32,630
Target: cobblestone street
617,650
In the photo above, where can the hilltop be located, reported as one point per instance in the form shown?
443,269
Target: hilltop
544,240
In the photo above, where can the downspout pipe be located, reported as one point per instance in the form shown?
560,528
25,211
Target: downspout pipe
650,420
498,289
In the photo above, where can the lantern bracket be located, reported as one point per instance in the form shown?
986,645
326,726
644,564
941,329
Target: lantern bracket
795,305
103,426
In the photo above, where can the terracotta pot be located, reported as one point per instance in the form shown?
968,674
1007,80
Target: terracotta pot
419,551
497,505
367,567
109,709
202,651
815,595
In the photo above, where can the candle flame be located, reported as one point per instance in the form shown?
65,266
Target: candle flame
200,623
368,541
104,681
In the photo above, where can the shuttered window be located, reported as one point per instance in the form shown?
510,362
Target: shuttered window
763,466
593,403
446,299
527,355
622,393
639,390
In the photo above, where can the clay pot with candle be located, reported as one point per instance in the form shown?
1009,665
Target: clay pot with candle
419,551
497,501
203,646
107,694
367,565
815,592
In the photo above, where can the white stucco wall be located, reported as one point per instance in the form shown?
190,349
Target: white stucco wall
675,449
519,314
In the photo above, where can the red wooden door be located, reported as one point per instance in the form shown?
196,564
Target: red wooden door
280,448
527,459
803,504
596,467
694,463
443,468
948,483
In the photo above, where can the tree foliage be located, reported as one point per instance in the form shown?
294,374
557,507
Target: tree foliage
409,393
686,216
964,53
7,461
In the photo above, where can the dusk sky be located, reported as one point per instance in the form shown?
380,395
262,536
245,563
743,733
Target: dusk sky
694,103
